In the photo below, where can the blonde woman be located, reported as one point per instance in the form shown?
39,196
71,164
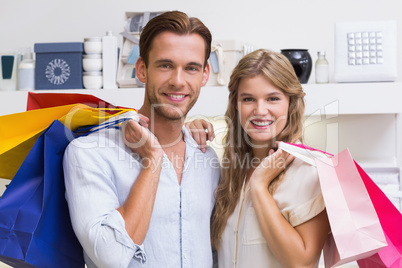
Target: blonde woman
269,209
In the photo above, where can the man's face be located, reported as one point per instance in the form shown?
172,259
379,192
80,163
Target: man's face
174,75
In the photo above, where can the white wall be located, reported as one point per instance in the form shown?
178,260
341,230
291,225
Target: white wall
269,24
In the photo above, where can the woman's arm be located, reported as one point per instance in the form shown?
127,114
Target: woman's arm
201,131
298,246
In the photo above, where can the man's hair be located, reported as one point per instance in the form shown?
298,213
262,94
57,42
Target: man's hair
176,22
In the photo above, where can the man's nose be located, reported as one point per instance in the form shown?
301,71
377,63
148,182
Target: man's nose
177,79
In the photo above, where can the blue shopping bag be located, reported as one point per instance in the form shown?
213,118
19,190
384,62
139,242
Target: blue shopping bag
35,226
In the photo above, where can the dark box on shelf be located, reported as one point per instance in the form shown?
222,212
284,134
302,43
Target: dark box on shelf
58,65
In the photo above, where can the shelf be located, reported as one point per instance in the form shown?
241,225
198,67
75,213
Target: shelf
374,137
321,99
354,98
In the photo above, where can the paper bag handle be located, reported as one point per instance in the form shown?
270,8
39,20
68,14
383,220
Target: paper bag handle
301,151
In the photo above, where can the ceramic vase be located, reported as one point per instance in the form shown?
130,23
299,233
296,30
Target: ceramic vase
301,62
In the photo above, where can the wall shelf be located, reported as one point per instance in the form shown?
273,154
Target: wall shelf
364,117
350,98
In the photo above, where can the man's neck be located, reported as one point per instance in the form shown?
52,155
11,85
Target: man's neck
168,132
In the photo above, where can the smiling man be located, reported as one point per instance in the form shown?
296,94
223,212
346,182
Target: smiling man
149,203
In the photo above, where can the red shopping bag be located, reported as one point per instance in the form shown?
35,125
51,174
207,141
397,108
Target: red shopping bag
391,222
46,100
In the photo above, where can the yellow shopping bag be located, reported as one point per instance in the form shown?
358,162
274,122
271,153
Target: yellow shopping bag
19,131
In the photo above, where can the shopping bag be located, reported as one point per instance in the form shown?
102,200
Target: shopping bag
19,131
47,100
356,232
35,226
391,222
355,226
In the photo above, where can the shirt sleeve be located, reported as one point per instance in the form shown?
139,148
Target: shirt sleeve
93,202
299,194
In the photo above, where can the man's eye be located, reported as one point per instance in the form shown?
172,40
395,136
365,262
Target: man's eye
192,68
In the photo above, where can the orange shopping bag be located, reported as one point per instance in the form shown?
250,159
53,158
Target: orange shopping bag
19,131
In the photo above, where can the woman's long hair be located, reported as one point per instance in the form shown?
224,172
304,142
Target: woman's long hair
238,150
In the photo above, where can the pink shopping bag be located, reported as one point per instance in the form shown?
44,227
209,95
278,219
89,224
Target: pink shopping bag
356,231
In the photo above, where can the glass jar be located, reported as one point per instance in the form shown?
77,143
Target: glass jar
321,69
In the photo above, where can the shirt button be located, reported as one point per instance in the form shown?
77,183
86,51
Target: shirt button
185,256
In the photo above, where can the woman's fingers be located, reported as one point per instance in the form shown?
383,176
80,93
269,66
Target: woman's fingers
201,131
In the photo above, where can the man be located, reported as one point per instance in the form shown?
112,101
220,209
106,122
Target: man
152,207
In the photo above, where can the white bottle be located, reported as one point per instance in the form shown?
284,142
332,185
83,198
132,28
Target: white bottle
26,73
321,69
110,58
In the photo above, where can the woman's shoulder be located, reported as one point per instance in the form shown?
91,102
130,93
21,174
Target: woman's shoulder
300,181
298,168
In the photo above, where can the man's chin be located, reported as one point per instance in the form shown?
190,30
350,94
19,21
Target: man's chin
173,115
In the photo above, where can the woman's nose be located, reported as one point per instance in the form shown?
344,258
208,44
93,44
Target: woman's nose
261,108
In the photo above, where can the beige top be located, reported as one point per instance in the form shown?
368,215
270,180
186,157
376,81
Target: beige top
299,198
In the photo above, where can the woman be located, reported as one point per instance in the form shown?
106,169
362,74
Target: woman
269,210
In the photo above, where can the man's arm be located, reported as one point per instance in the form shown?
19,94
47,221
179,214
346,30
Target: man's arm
137,209
109,232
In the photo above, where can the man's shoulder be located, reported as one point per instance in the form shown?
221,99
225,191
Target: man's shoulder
103,139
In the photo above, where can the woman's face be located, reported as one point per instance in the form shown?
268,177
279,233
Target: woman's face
263,109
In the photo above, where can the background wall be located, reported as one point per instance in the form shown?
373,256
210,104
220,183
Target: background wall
269,24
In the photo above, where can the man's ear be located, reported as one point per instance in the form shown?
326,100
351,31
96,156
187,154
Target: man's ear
141,70
205,75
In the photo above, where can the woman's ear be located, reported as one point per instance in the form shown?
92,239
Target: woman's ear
141,70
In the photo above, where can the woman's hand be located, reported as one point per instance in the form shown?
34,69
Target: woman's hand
270,167
201,131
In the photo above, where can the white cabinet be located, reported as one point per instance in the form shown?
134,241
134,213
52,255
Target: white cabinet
365,117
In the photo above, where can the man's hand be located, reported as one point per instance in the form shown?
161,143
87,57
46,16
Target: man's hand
140,140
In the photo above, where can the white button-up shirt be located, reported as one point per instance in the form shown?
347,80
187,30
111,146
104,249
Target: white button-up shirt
99,172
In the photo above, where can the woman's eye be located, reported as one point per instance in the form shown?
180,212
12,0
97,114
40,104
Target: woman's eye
273,99
248,99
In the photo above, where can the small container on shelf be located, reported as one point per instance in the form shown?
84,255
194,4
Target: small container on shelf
93,45
92,62
110,60
92,80
26,72
321,69
58,65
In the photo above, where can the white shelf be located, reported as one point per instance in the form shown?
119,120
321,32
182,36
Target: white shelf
355,98
369,115
351,98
